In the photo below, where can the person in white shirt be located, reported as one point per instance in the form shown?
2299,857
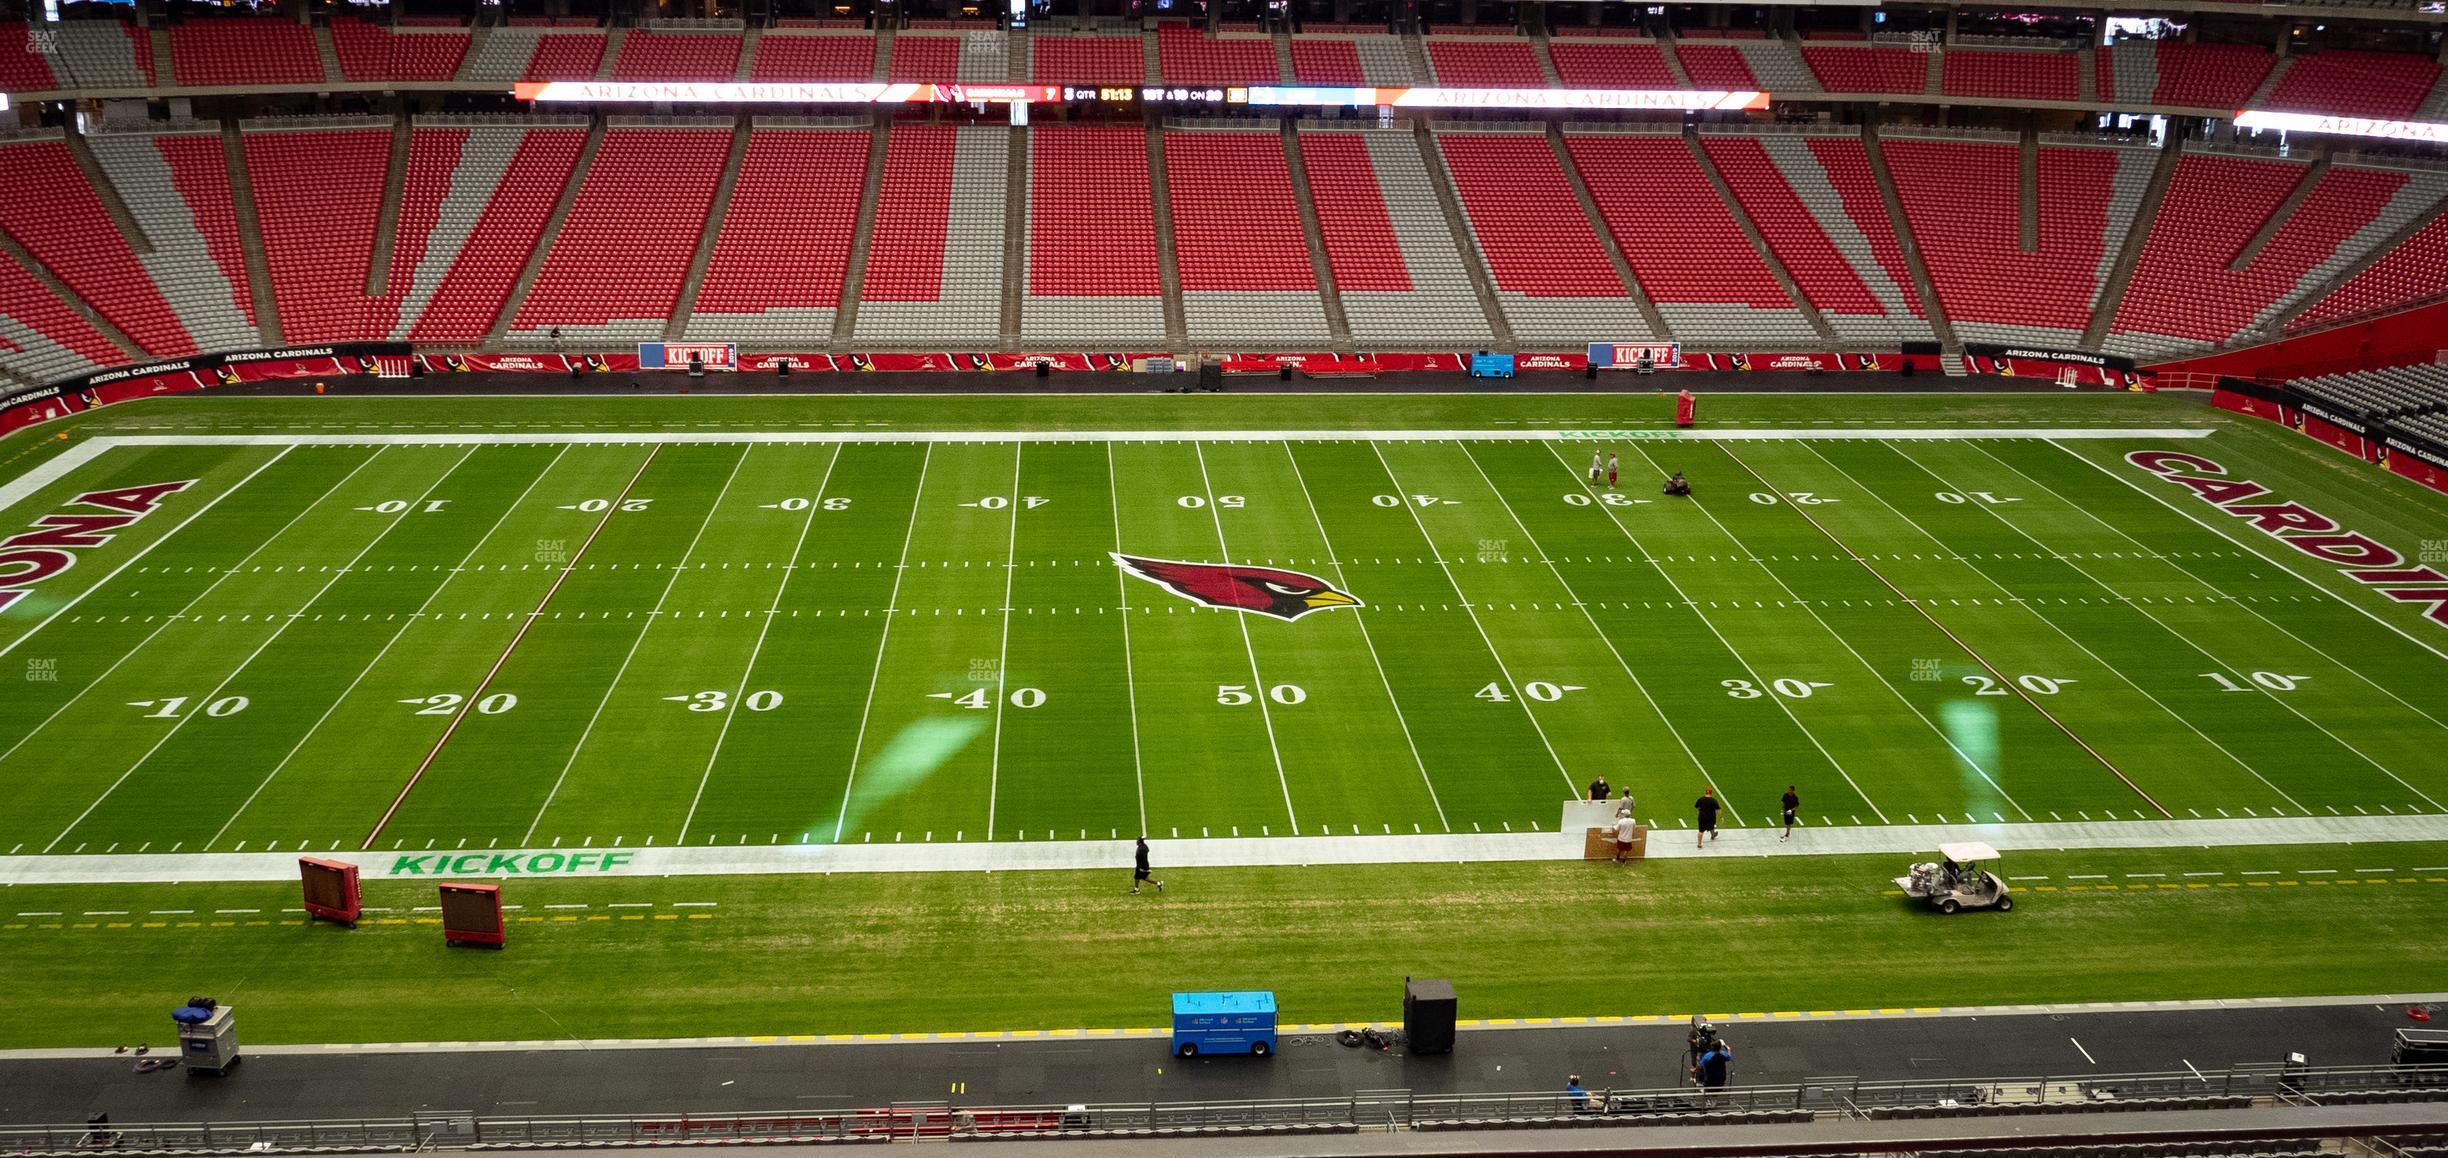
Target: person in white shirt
1626,831
1597,467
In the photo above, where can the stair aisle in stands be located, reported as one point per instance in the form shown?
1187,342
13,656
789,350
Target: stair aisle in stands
1321,265
862,234
716,217
546,238
250,235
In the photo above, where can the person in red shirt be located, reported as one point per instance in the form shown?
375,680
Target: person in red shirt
1684,406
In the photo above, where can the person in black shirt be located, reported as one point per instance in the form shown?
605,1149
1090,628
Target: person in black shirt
1791,802
1599,789
1707,807
1140,873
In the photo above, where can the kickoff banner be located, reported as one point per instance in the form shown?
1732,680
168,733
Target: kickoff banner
676,355
1627,355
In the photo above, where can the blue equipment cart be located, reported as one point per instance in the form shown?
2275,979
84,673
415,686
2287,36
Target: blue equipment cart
1208,1023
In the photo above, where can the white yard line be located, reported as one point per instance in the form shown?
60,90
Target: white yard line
174,617
1130,678
338,574
98,445
2251,545
1806,607
475,696
2076,562
635,645
1600,631
1572,788
2034,611
1257,682
2206,585
1011,558
739,694
892,607
1360,616
379,656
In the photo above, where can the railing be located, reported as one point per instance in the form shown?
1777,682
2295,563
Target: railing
1815,1098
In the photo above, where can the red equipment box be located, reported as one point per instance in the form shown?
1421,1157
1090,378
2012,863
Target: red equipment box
472,915
331,889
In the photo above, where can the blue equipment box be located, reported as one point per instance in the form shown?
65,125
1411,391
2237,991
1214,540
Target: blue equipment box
1491,366
1212,1023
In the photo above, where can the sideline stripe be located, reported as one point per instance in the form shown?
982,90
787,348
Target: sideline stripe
1056,1036
1209,852
1579,434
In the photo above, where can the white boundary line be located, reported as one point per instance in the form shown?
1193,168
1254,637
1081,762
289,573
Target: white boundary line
1592,433
2189,641
892,608
147,549
1360,616
1258,688
679,569
2034,611
51,470
1209,852
201,702
739,694
379,656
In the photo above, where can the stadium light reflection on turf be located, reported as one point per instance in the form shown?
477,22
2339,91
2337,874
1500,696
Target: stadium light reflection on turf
904,765
1972,726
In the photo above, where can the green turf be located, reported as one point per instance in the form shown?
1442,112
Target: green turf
969,952
766,643
448,645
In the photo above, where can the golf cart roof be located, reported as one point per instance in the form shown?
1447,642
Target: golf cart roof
1967,852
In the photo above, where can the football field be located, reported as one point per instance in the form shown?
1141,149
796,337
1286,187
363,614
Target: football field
491,637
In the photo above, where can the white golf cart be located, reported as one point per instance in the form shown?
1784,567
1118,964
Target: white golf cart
1958,881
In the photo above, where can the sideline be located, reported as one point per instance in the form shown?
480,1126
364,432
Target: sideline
1200,852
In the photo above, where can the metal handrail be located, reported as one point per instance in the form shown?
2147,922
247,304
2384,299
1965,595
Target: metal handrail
1373,1109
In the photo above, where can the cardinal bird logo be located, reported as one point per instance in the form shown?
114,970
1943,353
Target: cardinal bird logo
1263,590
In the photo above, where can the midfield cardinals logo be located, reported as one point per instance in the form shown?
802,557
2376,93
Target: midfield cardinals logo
1262,590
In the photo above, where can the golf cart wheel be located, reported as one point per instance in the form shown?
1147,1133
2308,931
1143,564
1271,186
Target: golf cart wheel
1260,1049
1948,905
2005,904
1186,1049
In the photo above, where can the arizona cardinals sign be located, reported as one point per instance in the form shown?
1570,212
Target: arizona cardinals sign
1262,590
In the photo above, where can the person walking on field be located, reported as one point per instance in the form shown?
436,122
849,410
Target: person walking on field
1597,466
1610,470
1790,802
1706,806
1140,873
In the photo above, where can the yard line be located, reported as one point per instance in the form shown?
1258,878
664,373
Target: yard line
1334,559
567,570
1626,665
1130,679
1011,555
2223,533
2273,697
147,549
679,568
260,648
2033,610
1257,682
167,620
892,604
1824,625
405,624
1572,790
747,673
1943,629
